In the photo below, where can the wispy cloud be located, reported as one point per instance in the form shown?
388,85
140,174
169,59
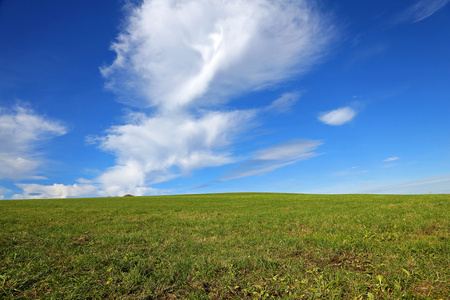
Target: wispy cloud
435,185
182,58
421,10
172,53
22,134
338,116
393,158
270,159
4,191
351,171
363,54
284,103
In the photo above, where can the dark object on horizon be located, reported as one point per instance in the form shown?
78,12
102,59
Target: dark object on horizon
128,195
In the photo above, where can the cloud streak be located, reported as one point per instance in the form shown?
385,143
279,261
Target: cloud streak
351,171
435,185
284,103
393,158
421,10
270,159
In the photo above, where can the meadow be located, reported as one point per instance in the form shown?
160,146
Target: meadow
227,246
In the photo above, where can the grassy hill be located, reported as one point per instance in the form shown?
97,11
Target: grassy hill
227,246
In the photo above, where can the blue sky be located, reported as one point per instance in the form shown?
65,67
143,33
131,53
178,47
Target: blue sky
105,98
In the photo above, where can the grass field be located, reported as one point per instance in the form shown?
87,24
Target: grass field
227,246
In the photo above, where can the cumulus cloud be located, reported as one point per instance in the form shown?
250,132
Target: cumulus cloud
156,149
84,188
275,157
22,133
338,116
37,191
421,10
182,59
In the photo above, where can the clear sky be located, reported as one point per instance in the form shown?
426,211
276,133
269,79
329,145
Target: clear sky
109,97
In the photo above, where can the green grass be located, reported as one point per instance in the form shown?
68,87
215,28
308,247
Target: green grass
227,246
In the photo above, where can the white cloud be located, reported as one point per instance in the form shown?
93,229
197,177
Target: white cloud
37,191
338,116
284,103
22,133
173,52
156,149
291,150
3,192
393,158
275,157
246,171
421,10
184,57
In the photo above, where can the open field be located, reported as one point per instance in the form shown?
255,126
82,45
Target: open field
227,246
